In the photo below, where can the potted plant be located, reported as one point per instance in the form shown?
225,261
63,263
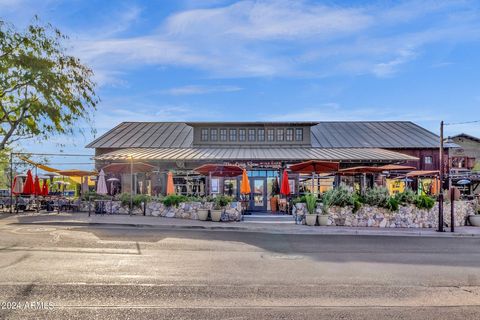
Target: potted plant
326,203
220,203
475,218
203,212
311,217
275,192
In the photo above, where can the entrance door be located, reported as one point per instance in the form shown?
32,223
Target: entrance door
258,200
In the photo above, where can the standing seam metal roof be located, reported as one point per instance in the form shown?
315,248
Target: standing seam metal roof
336,134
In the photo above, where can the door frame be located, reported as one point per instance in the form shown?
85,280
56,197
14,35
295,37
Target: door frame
252,194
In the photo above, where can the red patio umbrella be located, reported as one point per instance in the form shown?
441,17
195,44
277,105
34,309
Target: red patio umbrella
219,170
285,188
36,186
45,188
29,187
315,166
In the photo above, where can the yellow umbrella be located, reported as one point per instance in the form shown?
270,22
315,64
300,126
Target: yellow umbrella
245,185
170,185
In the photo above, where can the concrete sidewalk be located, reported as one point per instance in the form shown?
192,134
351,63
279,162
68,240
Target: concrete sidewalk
122,221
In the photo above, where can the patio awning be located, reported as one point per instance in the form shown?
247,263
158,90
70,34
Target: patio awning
219,170
136,167
315,166
360,169
248,153
423,173
396,167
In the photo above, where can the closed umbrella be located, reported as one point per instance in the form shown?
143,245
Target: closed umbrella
37,188
45,188
245,184
17,186
101,184
170,185
285,188
84,184
112,181
29,187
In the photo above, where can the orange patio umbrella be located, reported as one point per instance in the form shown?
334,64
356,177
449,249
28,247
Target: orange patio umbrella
245,183
170,185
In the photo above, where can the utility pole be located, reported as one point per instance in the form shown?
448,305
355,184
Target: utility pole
440,195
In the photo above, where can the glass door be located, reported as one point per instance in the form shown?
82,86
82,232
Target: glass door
258,199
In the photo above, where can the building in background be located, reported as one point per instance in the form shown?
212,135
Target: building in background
263,148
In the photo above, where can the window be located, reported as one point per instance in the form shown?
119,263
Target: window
251,134
289,135
233,134
223,134
280,133
271,135
261,135
298,134
428,160
213,134
204,135
241,134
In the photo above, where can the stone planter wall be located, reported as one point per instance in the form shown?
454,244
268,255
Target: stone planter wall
187,210
406,216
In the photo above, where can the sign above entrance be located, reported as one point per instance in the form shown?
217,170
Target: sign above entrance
255,164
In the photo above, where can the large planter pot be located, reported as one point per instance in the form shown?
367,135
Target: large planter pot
216,215
474,220
273,204
311,219
202,214
323,220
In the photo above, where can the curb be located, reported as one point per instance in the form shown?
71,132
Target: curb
352,232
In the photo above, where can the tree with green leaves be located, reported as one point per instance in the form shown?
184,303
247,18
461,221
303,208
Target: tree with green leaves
43,90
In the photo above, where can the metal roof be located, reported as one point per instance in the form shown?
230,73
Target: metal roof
356,134
146,135
466,136
372,134
208,154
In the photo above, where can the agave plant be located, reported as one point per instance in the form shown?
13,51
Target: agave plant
311,202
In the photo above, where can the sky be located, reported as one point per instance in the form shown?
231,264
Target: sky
279,60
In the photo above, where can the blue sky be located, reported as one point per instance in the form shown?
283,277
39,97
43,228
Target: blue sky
271,60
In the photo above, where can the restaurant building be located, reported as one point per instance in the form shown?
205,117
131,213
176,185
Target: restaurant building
263,148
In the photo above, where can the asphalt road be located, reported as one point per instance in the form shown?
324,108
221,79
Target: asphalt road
116,273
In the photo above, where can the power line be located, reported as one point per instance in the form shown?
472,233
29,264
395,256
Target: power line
465,122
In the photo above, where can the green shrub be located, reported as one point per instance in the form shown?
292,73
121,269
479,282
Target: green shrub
311,201
222,201
392,204
137,199
406,197
377,197
300,199
357,202
92,195
173,200
340,197
424,202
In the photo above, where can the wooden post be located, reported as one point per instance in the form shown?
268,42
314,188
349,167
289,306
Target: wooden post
440,195
11,182
452,208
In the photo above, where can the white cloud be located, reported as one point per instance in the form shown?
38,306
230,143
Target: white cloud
268,38
198,89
